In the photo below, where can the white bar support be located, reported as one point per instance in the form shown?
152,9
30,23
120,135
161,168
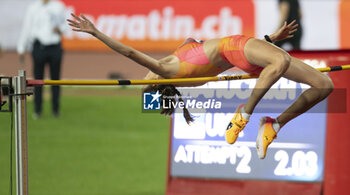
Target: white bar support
20,103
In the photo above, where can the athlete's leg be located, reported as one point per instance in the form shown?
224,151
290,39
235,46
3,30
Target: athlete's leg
275,62
276,65
321,87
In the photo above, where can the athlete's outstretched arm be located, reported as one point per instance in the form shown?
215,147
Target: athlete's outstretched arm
82,24
285,32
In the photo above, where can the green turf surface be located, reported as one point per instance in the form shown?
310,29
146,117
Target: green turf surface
100,145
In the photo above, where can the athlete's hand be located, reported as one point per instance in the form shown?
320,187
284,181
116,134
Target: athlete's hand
82,24
285,32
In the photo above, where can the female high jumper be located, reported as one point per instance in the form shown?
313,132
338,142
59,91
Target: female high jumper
209,58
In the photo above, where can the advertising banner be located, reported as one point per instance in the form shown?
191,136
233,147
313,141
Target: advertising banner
161,25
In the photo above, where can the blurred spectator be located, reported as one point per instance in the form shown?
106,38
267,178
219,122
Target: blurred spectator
289,11
43,26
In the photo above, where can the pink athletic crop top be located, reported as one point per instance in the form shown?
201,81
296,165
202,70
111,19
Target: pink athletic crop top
193,61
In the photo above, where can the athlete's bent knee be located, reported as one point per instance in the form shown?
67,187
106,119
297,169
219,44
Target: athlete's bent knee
328,85
325,85
281,62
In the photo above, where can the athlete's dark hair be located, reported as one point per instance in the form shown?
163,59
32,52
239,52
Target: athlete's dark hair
169,92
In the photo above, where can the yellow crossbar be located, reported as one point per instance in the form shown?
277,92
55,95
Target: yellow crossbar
162,81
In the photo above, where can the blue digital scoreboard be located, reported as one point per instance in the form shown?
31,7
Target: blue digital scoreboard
200,150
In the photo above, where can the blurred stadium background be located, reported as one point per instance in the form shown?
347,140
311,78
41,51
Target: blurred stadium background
102,143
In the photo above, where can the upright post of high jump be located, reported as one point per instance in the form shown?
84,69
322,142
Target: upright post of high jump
20,103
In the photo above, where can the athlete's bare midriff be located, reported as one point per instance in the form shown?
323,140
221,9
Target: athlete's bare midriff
211,50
